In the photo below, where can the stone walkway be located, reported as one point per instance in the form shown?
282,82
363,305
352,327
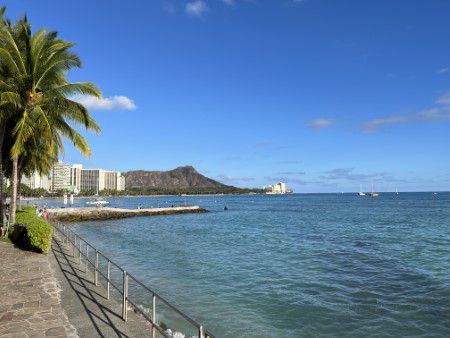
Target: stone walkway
30,298
38,293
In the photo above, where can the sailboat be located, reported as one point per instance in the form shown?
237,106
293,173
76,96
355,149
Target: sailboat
361,193
373,193
396,191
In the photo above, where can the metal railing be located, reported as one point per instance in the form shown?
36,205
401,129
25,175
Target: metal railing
82,249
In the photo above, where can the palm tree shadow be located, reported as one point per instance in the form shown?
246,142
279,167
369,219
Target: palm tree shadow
91,301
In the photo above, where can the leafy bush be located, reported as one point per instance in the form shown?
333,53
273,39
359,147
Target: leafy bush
32,231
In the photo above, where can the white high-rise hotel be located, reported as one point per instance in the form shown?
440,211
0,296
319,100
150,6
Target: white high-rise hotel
75,178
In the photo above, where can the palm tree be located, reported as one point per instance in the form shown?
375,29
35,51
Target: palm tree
4,113
40,94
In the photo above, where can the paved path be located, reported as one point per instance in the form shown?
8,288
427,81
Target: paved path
86,304
30,302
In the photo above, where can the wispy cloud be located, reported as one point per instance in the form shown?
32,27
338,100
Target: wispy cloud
349,175
233,158
291,180
291,173
108,103
321,123
444,99
229,179
289,162
443,70
439,113
196,8
263,144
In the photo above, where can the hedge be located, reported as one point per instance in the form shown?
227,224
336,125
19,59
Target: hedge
31,231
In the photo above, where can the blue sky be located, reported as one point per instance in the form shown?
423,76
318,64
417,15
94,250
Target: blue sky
323,94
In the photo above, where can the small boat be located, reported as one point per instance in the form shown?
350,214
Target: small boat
396,191
434,194
225,208
373,193
361,193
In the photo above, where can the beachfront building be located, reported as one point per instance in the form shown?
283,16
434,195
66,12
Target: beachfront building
279,188
120,182
60,176
36,181
98,179
75,177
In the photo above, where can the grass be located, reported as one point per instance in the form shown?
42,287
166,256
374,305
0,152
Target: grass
6,240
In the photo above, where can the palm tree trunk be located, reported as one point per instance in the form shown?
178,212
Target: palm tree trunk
2,206
13,201
19,190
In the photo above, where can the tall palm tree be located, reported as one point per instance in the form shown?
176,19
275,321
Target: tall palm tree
39,92
4,113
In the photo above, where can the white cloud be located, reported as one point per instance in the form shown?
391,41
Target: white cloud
443,70
108,103
196,8
321,123
229,180
444,99
439,113
428,115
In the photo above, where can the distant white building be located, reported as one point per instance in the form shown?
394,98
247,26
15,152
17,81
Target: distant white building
98,179
279,188
120,182
75,177
61,176
36,181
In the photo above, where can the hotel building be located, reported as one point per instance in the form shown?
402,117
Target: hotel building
279,188
75,178
61,176
36,181
98,179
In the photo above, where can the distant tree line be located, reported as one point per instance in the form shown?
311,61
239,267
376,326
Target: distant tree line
26,191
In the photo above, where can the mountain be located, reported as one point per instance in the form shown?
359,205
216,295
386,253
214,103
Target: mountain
180,178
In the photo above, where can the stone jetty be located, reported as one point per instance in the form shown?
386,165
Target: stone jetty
108,213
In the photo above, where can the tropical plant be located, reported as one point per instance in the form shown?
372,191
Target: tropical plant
37,90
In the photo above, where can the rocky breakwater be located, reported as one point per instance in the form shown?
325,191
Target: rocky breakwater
107,213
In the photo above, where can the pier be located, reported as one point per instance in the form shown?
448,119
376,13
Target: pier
108,213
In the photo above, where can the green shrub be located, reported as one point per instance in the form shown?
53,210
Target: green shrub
32,231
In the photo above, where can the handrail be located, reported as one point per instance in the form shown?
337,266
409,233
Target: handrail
71,237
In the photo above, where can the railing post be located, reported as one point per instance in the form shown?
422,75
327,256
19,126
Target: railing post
153,315
200,332
96,268
87,259
79,250
125,297
108,275
74,244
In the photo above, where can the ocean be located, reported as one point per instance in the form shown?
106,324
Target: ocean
292,265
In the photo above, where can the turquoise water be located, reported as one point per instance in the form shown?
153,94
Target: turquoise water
291,266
